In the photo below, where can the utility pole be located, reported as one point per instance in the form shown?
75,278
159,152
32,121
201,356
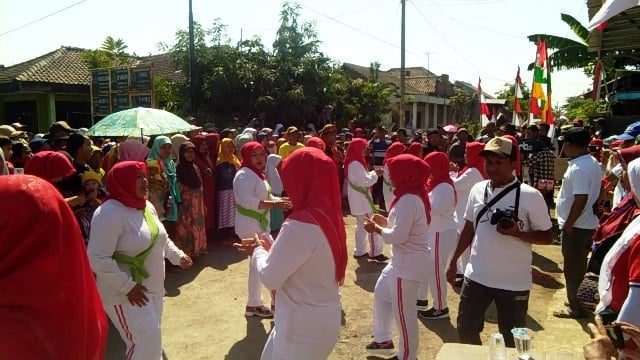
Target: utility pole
428,60
402,64
192,63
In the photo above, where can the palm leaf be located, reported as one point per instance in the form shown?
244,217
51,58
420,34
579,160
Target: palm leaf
573,57
555,42
576,26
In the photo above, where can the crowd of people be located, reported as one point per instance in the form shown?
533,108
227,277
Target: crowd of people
454,208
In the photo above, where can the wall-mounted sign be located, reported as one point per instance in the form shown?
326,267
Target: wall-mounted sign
117,89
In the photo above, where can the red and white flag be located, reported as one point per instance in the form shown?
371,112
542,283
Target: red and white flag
485,113
517,107
609,9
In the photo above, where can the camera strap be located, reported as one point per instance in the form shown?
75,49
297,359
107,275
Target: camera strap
503,193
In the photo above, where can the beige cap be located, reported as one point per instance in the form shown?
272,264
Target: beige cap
498,145
9,131
291,130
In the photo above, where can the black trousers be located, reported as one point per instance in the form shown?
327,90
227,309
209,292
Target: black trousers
378,195
475,299
575,249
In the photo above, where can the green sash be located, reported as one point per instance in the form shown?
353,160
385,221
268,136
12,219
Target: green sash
366,193
261,217
136,263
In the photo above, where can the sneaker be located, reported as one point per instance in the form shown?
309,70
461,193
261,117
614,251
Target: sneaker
258,311
423,305
380,258
433,314
384,350
363,256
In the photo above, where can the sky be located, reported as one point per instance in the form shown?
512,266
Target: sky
466,39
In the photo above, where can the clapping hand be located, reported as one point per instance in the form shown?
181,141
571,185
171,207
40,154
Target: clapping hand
284,204
248,245
370,226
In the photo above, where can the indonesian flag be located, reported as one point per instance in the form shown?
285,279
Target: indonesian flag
485,113
609,9
517,108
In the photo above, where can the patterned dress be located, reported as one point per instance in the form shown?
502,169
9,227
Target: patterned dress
191,235
225,172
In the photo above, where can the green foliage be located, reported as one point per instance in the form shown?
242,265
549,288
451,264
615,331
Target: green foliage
508,92
293,83
579,108
112,53
474,127
570,54
462,104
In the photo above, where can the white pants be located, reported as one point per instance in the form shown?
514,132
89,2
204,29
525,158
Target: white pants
443,245
395,300
365,240
139,328
255,285
279,348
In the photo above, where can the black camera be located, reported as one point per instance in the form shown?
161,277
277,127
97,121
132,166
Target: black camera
504,219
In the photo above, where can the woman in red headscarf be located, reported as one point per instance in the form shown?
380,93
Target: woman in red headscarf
394,150
443,236
317,143
206,161
253,201
407,230
415,149
307,262
127,247
359,181
50,307
471,174
191,235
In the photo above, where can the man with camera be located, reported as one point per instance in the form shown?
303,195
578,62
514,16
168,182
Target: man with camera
503,219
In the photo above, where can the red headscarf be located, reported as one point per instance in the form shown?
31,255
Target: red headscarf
629,154
355,152
439,164
50,307
49,165
359,133
317,143
247,151
213,141
394,150
415,149
409,175
474,159
516,148
204,161
121,183
303,173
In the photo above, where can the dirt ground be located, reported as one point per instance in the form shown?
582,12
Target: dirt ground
204,311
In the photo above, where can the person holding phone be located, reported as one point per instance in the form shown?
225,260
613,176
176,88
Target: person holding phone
406,230
127,248
253,201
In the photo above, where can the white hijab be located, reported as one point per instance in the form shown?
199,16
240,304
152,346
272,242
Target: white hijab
272,174
626,239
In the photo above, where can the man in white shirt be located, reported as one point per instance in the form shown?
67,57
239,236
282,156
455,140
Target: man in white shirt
576,218
503,219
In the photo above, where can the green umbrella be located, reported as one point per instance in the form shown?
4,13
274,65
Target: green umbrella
140,121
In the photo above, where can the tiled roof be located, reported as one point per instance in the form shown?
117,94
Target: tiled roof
61,66
65,66
414,85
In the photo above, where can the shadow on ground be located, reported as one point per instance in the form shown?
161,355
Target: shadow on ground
251,346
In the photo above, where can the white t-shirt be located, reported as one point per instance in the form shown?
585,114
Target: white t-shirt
583,177
248,190
463,185
443,206
406,232
501,261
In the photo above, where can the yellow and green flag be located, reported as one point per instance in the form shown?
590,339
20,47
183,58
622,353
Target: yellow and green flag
540,100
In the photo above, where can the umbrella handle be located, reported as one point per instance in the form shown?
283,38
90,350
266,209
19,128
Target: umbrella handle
141,136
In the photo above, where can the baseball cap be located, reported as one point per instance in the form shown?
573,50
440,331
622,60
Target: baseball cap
291,130
7,130
630,133
499,146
